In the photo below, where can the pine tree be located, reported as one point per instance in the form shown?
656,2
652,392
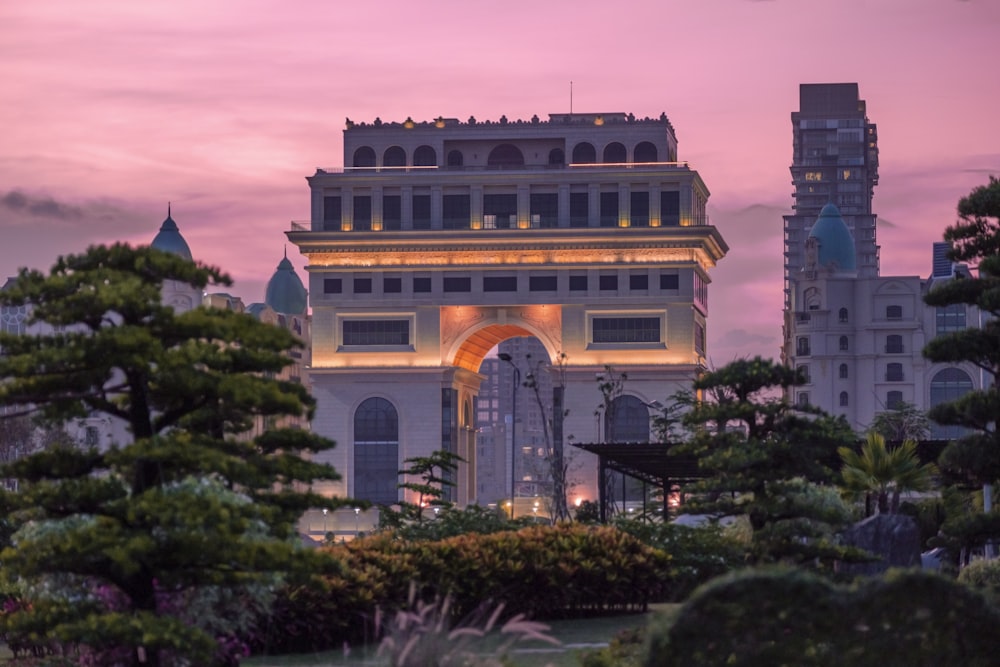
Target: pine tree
974,239
764,459
154,551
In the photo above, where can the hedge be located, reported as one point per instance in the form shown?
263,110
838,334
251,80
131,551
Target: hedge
541,571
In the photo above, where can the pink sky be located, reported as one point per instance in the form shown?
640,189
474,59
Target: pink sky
110,109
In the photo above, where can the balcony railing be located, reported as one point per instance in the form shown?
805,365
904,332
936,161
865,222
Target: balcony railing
519,167
671,222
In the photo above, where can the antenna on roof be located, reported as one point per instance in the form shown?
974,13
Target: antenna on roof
168,209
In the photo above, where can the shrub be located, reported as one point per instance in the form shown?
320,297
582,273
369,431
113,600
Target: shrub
540,571
792,617
983,576
698,554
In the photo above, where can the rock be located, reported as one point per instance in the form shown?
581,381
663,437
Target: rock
895,538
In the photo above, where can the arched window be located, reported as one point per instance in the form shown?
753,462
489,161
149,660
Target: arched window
843,371
584,153
505,155
842,315
894,372
376,452
948,385
844,344
425,156
628,421
556,157
364,157
614,153
644,152
455,159
844,399
394,156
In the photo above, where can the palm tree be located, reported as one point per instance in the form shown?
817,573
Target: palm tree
885,472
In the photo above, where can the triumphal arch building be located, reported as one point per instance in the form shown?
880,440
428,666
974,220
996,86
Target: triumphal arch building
438,240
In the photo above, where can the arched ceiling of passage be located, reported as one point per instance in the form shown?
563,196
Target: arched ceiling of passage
470,355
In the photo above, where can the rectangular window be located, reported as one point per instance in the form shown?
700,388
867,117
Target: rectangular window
669,281
625,330
500,284
670,209
893,400
950,318
421,285
609,209
504,209
362,285
578,283
893,312
543,283
91,436
608,283
376,332
457,284
362,213
331,214
894,344
639,209
392,285
700,291
803,370
699,338
803,398
456,210
332,286
638,282
579,209
894,372
546,207
392,212
421,211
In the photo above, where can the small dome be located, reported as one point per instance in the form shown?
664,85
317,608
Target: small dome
285,292
836,245
170,240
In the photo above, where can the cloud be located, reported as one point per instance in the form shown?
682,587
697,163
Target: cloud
39,206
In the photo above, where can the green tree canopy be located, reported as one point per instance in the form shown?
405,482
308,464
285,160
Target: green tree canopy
974,239
153,550
761,455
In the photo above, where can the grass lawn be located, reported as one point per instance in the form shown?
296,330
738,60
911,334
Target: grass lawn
576,636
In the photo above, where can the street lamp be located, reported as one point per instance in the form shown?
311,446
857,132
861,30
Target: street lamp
503,356
357,511
325,510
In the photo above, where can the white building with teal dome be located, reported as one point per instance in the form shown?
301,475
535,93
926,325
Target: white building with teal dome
181,296
859,339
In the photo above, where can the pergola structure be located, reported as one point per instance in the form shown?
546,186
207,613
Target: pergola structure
649,462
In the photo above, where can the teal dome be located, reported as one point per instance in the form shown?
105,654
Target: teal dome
170,240
836,245
285,292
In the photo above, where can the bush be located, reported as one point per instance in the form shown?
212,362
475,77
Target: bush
983,576
790,617
540,571
698,554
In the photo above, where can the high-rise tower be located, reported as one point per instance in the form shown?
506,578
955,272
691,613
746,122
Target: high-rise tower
834,161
